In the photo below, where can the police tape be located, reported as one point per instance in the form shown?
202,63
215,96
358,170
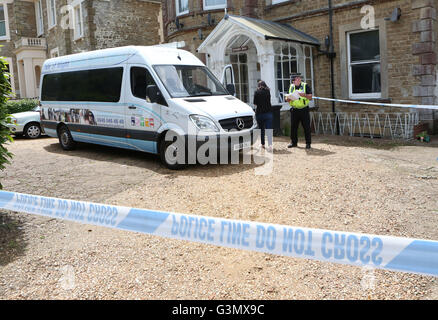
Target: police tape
381,252
410,106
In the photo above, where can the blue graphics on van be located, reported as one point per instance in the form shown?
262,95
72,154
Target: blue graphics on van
104,127
381,252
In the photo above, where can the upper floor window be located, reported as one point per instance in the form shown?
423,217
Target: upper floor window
364,64
182,7
4,25
39,17
51,12
78,21
214,4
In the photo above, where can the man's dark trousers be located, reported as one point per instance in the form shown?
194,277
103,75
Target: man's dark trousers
303,116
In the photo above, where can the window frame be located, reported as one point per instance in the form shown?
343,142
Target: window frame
7,35
369,95
148,73
213,7
51,16
178,13
299,59
381,24
39,17
76,34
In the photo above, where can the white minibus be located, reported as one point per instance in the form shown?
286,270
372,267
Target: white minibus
137,97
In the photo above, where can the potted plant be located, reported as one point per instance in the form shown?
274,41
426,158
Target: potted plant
423,137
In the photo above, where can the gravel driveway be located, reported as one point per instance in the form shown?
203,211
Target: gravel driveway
344,184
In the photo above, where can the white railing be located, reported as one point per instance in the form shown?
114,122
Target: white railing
373,125
31,42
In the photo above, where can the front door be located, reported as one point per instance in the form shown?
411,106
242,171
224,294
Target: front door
241,54
239,61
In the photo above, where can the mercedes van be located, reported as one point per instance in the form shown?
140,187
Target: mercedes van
133,97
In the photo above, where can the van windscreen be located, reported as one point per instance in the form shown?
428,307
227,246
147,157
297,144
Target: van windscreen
98,85
189,81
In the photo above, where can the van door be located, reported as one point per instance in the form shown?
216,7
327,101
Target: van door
143,118
228,78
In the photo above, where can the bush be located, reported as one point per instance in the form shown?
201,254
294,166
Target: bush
5,133
15,106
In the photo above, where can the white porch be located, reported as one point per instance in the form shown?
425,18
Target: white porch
259,49
31,54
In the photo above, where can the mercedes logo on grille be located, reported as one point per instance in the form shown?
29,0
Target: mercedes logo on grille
240,123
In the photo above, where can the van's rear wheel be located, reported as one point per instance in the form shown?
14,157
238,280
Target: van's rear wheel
170,153
65,139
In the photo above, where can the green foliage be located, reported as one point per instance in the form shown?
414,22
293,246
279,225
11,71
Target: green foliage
15,106
5,133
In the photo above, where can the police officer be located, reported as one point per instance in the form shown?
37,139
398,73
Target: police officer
300,110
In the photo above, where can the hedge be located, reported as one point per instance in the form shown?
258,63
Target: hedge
15,106
5,133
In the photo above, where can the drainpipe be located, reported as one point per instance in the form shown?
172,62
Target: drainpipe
332,56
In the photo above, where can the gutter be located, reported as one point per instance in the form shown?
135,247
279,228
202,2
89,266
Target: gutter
324,10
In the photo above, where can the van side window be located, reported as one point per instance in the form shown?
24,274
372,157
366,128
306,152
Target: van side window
103,85
140,79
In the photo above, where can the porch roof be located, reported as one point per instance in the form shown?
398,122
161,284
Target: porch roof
268,30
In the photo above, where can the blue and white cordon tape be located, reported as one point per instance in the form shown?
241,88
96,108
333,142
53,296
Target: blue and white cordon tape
410,106
383,252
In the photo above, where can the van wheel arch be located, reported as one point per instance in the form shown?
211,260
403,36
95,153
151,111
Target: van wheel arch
35,133
65,139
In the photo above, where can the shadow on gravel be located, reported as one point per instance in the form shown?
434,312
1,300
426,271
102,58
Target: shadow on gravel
152,162
21,137
12,243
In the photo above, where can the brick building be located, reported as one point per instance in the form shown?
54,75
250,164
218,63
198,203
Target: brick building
383,51
33,30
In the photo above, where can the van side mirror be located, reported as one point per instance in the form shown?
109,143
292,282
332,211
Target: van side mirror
231,89
153,93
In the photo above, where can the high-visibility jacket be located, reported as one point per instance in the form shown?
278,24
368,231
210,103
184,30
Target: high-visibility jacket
302,102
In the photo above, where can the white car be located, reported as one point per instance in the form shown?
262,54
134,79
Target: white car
26,123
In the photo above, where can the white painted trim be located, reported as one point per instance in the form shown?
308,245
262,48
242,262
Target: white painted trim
220,6
7,36
278,1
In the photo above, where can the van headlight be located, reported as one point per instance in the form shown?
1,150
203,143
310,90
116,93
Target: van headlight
203,123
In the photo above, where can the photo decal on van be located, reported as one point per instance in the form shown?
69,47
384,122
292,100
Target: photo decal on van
82,116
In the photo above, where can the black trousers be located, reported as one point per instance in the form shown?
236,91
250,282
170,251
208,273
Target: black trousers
297,116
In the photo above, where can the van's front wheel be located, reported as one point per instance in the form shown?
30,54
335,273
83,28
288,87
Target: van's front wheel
170,153
65,138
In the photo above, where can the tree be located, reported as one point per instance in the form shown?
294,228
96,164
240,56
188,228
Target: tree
5,133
